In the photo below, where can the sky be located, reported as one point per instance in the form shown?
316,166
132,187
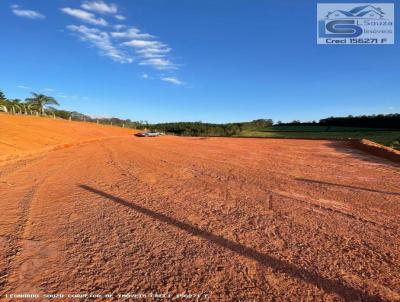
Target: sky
179,60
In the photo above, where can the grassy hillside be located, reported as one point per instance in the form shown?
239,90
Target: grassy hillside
389,138
318,128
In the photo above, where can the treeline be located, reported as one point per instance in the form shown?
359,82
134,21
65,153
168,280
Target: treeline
379,121
43,105
39,104
113,121
209,129
389,121
35,105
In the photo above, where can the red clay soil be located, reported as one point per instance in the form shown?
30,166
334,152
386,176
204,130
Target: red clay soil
22,135
377,149
227,219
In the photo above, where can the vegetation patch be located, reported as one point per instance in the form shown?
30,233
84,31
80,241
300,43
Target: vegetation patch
382,129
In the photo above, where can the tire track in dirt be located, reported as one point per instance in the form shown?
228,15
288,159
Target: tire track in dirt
275,230
14,242
307,200
316,203
146,188
178,214
10,168
29,255
25,254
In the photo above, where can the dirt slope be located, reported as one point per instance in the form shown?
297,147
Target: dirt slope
233,219
22,135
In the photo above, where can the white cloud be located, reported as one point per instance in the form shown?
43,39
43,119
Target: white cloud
150,55
120,42
145,76
100,7
26,13
172,80
153,52
84,16
143,44
49,89
61,95
24,87
130,33
120,17
159,63
119,26
70,96
101,40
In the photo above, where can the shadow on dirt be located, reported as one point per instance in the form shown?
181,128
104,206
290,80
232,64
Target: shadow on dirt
330,286
345,186
346,148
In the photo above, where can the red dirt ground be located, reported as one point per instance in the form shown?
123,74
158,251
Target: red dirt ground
22,135
232,219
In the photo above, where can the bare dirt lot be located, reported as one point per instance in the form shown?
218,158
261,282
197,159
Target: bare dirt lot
232,219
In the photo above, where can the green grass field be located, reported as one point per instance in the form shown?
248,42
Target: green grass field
389,138
309,128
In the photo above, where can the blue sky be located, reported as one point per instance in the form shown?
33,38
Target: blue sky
179,60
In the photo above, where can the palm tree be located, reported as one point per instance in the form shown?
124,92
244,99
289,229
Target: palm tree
2,97
51,111
26,108
15,105
3,102
3,107
40,101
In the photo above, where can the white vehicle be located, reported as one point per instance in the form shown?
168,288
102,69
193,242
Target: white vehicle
148,134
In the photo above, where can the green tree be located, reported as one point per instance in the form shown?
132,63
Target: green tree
26,108
15,106
2,97
3,102
40,101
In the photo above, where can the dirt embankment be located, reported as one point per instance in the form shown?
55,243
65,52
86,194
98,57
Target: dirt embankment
25,135
376,149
